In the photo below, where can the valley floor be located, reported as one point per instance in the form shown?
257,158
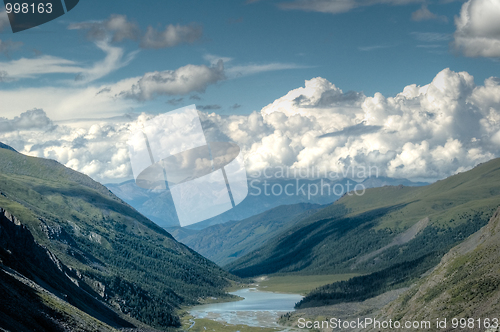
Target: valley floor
298,284
289,284
189,323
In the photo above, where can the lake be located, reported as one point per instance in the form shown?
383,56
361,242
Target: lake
258,308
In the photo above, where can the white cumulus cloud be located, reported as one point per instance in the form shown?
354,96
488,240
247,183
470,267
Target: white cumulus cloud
425,132
429,131
478,29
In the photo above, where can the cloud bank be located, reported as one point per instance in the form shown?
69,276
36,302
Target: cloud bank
31,120
425,132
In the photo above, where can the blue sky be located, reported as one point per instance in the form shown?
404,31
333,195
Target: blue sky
377,48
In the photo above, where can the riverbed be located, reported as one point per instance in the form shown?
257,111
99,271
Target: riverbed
258,308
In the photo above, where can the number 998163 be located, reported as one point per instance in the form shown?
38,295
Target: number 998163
25,8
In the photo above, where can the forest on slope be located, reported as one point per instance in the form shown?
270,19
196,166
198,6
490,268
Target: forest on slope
101,244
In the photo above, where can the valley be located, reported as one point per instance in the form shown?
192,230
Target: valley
249,165
158,205
88,258
266,299
388,239
224,243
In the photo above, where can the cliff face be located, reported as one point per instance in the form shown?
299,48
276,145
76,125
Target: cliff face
465,284
39,292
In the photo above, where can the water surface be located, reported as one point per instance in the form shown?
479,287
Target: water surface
258,308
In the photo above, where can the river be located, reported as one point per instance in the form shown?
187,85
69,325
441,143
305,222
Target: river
258,308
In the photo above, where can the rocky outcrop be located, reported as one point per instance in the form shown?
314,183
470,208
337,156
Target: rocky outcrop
27,269
19,250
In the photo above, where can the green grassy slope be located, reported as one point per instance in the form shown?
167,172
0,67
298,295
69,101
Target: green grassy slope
223,243
341,237
465,284
134,265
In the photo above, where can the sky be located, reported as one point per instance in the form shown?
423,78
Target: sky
406,85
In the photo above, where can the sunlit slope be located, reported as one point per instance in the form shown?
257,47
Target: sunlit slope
360,233
465,284
135,266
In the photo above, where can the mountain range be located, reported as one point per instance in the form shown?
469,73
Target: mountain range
73,256
223,243
158,206
382,228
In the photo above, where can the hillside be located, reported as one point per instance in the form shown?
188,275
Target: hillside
224,243
374,231
465,284
101,244
27,306
5,146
